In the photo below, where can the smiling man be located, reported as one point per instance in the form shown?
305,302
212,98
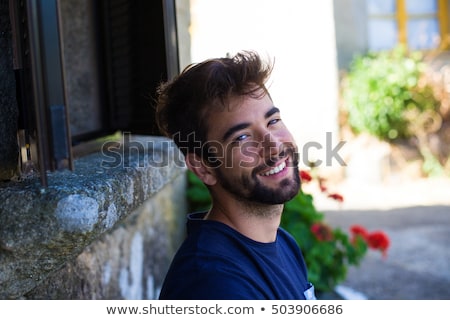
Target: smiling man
221,116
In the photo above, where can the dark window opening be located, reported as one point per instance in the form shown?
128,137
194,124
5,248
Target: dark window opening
133,47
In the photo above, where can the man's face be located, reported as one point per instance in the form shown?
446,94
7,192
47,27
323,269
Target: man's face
255,154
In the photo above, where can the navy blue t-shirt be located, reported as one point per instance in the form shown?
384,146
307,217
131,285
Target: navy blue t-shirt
216,262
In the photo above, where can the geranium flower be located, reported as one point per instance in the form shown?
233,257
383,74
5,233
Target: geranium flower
305,176
336,196
378,240
322,186
358,230
322,231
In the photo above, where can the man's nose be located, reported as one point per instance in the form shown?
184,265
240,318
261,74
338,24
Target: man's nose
270,145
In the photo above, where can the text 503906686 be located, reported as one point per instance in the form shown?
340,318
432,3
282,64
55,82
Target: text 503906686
307,309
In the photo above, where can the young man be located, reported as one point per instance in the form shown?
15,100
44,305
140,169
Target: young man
221,116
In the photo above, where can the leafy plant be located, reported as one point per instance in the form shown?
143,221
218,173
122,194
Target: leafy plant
381,87
328,252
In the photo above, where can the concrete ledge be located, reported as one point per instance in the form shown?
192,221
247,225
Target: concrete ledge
42,229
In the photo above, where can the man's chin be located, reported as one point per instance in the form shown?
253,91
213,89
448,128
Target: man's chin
287,190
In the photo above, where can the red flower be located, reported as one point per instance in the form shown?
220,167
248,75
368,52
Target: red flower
378,240
322,186
305,176
322,231
336,197
358,230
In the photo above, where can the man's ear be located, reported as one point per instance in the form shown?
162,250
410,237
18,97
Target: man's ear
197,165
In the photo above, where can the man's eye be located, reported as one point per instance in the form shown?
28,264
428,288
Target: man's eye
241,137
274,121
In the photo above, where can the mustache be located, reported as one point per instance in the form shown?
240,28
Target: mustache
289,151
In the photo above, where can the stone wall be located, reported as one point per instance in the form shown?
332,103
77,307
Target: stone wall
107,230
127,263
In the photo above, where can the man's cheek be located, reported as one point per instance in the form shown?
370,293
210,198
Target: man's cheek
249,155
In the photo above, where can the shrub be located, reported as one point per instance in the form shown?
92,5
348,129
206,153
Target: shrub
381,87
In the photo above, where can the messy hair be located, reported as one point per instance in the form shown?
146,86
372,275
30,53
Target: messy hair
202,88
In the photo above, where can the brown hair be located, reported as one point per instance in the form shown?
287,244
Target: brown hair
200,89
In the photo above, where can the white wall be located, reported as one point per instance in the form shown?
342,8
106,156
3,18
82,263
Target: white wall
299,35
351,30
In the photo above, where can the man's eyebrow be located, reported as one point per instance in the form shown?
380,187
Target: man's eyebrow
271,112
234,129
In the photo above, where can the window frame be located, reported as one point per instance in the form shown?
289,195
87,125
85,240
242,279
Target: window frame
402,18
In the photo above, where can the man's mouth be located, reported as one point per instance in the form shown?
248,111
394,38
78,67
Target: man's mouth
275,170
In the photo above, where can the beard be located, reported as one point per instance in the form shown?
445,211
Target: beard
251,189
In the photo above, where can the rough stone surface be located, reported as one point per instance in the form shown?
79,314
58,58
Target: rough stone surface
44,230
130,261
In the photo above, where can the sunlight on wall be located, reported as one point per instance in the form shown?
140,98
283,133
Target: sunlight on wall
299,35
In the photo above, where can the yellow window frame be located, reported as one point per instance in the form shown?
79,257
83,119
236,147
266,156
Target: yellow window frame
442,16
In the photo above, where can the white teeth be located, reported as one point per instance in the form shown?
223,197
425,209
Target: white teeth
275,170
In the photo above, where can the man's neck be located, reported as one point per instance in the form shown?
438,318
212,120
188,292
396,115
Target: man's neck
257,222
